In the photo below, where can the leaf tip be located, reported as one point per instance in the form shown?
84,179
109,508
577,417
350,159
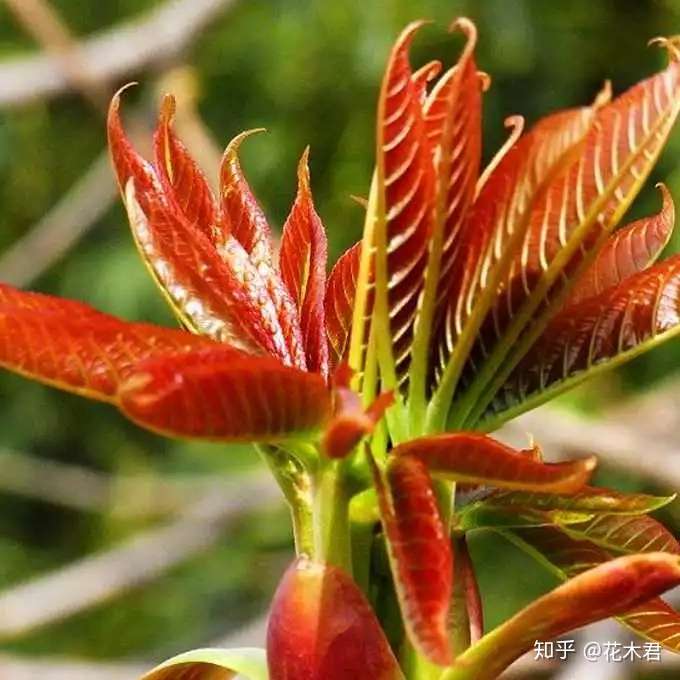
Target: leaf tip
604,96
671,44
469,30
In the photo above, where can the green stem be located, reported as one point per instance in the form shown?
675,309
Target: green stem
295,483
331,516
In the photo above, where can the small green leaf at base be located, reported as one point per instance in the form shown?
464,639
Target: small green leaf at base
248,663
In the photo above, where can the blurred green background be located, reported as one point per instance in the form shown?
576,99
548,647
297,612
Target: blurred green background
309,72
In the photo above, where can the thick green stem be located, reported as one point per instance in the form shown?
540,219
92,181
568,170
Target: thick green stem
331,516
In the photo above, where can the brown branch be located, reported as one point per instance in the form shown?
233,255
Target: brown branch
143,558
154,40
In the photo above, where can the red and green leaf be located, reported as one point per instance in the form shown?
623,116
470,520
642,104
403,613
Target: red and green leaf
478,459
569,224
589,499
625,534
501,217
420,553
321,627
303,257
453,128
653,619
222,394
591,336
609,589
72,346
402,207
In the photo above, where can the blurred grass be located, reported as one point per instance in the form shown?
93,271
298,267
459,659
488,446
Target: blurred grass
308,71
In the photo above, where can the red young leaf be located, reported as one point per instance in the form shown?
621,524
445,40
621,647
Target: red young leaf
127,163
607,590
240,213
453,128
571,219
424,75
216,294
72,346
350,421
242,218
420,553
339,302
303,269
465,572
321,627
626,252
405,182
222,394
500,216
478,459
180,176
592,335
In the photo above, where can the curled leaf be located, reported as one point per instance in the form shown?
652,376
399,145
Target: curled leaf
339,302
478,459
216,294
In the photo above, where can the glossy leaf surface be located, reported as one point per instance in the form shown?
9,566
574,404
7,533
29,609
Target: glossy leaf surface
598,333
222,394
572,218
478,459
219,294
72,346
321,627
242,218
182,180
339,302
420,554
607,590
501,215
405,176
627,251
303,257
247,663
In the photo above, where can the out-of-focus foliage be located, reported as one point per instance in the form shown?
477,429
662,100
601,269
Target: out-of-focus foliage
308,71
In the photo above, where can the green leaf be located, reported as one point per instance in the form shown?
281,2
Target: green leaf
250,663
588,500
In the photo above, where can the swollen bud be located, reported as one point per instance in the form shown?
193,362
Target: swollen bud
321,627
